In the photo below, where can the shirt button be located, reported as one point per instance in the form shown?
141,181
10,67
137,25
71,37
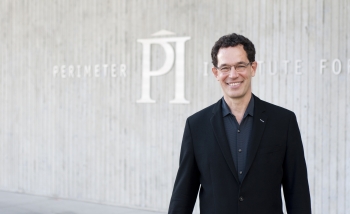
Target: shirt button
239,150
240,172
238,131
241,198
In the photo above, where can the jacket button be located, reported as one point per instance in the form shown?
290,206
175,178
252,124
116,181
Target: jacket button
241,198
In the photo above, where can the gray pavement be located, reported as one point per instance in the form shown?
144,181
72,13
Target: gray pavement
15,203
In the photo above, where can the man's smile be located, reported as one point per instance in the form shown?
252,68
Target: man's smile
234,83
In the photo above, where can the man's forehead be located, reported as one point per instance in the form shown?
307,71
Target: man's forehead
228,55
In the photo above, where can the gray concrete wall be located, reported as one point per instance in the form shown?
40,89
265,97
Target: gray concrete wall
70,133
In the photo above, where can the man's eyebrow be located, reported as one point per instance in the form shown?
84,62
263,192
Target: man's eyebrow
241,62
238,63
223,65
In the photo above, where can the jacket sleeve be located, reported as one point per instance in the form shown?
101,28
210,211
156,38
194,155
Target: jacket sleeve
295,182
187,180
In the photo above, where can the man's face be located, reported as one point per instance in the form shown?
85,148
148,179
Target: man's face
235,85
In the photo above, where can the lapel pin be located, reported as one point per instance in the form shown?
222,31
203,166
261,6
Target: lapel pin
262,121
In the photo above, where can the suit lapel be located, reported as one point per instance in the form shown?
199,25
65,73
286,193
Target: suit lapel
220,134
259,123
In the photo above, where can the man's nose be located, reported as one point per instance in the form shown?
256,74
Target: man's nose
233,73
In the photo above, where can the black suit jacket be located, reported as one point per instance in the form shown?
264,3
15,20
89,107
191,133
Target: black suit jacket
275,157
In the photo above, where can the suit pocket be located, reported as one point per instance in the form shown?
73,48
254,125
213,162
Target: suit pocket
269,149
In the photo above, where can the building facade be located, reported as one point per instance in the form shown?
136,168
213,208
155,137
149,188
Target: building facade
95,94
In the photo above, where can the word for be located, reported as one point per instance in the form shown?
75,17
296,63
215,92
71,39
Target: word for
336,66
104,70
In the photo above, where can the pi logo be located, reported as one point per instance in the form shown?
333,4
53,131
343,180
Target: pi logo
172,57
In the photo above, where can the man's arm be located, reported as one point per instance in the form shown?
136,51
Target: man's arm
187,179
295,182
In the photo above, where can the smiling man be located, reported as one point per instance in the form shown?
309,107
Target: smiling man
241,150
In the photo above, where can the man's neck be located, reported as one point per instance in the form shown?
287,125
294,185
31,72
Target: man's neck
238,106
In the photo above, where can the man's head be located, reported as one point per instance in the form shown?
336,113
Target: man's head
234,65
233,40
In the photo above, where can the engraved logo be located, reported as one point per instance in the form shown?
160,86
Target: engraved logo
172,57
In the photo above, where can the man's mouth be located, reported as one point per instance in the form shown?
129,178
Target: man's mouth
233,83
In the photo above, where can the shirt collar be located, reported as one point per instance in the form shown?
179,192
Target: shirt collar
226,110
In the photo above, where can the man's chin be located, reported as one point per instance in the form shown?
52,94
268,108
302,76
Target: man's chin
236,96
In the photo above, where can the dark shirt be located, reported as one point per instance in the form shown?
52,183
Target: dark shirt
238,135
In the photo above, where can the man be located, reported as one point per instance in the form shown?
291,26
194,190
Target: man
241,150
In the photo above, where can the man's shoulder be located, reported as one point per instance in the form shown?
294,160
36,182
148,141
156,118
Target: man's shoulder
271,109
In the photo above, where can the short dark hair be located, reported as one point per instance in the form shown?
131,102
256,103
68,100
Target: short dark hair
233,40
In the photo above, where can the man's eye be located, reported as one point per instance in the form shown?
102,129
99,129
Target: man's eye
225,68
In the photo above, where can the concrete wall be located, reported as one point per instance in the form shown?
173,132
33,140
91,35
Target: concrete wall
70,133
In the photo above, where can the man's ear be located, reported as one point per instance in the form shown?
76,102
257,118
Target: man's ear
215,72
254,67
